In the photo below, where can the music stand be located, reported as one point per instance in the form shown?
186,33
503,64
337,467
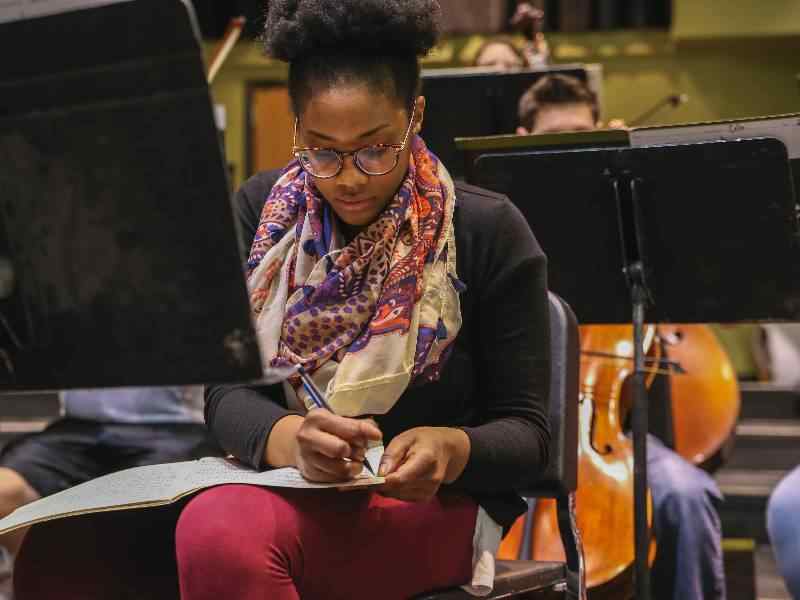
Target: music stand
115,206
468,102
692,233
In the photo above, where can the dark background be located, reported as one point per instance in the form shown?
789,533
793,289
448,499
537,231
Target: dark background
560,15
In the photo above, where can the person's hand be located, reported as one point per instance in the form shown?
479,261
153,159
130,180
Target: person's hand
332,448
419,460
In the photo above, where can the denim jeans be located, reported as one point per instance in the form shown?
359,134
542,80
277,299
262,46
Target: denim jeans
783,525
687,527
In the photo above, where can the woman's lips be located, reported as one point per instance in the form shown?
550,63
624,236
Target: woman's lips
351,204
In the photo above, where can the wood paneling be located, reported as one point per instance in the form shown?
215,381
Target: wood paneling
271,125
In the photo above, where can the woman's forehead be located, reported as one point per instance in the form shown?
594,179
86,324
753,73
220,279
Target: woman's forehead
347,113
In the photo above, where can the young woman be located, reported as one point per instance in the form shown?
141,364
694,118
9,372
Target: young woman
413,300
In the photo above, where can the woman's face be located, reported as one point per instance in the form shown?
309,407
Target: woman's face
499,55
347,118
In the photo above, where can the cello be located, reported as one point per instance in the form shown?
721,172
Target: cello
704,399
604,498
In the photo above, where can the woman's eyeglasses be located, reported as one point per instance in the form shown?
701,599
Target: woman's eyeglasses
375,160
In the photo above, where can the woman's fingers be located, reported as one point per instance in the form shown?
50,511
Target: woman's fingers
324,469
419,466
317,440
350,430
394,454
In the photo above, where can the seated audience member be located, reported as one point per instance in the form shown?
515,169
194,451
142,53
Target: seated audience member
101,431
688,563
499,53
783,525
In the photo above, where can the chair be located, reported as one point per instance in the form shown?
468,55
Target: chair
530,579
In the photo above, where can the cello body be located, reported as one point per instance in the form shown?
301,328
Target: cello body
704,408
705,400
604,499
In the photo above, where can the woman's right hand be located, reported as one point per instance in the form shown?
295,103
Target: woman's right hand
325,440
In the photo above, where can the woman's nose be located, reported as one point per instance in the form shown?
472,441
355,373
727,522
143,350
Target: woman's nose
351,177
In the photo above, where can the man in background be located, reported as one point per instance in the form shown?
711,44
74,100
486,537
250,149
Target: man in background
101,431
689,562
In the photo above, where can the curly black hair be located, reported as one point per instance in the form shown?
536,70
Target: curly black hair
329,42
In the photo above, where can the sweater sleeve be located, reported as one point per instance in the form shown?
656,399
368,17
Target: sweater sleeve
509,447
241,417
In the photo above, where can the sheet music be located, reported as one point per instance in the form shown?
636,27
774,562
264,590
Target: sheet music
15,10
154,485
786,129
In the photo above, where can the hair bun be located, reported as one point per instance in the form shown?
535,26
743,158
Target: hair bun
302,28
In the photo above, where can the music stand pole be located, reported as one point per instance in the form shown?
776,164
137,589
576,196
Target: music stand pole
639,428
633,266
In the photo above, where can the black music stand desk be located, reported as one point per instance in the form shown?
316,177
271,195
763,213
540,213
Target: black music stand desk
114,204
694,233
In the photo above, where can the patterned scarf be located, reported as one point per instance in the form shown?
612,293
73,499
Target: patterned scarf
367,319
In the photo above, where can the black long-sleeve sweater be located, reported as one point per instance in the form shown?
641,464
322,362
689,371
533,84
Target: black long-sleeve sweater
495,382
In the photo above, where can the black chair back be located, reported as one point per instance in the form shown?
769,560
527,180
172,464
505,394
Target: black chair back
561,476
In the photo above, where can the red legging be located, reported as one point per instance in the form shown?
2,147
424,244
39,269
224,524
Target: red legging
246,542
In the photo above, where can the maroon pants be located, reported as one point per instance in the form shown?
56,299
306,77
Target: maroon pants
249,543
246,542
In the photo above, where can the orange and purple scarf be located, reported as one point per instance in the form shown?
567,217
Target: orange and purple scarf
369,318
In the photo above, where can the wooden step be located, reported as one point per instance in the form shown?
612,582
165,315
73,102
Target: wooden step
34,405
746,491
772,444
764,400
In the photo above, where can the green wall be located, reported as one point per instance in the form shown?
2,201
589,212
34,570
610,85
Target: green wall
734,58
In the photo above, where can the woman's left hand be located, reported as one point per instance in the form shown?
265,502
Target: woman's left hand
419,460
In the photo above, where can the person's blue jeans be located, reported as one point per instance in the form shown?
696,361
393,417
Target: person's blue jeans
783,525
686,524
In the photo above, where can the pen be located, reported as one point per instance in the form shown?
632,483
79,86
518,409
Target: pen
320,402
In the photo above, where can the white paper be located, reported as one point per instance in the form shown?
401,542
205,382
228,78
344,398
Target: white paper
161,484
15,10
786,129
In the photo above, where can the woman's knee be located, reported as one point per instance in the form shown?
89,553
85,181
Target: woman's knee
231,521
15,491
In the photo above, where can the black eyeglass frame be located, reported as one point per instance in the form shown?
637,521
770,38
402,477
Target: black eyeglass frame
398,148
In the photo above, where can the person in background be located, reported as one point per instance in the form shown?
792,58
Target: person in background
499,53
688,564
101,431
783,526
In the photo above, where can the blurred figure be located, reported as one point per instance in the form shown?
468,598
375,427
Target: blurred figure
101,431
530,20
783,526
688,563
499,53
781,344
555,104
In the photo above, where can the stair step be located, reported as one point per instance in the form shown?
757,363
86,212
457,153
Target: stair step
746,482
764,400
743,513
21,406
772,444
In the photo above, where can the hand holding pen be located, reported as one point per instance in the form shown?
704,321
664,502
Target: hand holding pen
332,447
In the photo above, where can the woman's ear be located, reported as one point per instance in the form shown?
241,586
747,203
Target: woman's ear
419,118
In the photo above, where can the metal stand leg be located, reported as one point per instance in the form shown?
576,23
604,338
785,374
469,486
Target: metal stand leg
573,547
640,416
